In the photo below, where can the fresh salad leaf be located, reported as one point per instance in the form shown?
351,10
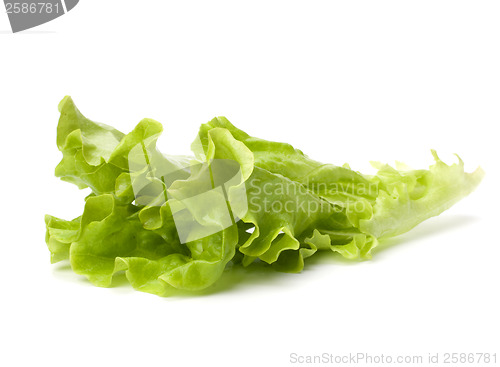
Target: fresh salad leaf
174,223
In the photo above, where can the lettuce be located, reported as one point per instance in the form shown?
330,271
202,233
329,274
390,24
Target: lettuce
174,223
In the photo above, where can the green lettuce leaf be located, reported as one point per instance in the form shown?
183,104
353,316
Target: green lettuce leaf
96,155
174,223
409,197
388,204
113,239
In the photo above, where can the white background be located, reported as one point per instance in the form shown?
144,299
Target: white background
344,82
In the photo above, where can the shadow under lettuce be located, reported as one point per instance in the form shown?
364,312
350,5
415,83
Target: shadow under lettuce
260,274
